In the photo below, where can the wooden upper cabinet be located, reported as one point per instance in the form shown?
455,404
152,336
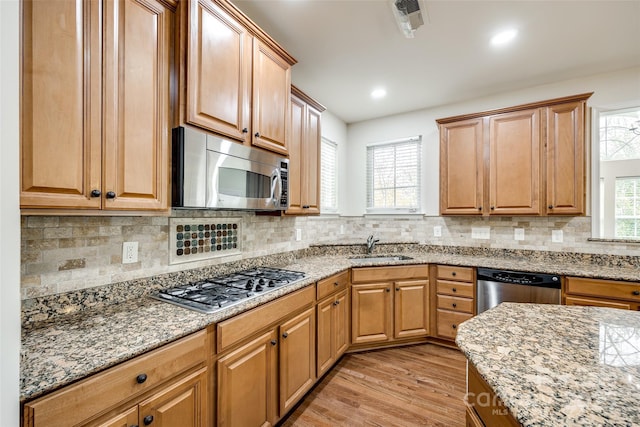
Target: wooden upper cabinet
514,163
304,154
137,75
61,103
271,89
95,111
565,159
461,167
235,79
522,160
219,53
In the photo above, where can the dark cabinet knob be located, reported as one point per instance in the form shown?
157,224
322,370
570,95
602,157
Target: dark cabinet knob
454,305
274,342
550,206
141,378
305,206
397,289
454,290
96,193
337,303
111,195
636,293
257,135
454,326
479,208
493,207
336,284
453,274
285,335
388,290
245,130
148,420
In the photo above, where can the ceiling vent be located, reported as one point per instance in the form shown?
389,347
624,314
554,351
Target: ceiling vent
408,16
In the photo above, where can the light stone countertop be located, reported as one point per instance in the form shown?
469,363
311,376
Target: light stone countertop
58,352
559,365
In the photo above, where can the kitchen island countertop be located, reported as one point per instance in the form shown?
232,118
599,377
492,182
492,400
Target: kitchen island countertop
558,365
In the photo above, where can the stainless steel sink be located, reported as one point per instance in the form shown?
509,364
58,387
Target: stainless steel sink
379,258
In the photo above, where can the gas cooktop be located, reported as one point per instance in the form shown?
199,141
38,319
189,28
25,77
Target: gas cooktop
216,293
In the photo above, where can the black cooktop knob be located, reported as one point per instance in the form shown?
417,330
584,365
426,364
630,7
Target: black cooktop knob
272,283
261,282
258,287
249,284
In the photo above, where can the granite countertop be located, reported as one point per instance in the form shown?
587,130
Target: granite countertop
67,348
559,365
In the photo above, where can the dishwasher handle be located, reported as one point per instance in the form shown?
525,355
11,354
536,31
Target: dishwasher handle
519,278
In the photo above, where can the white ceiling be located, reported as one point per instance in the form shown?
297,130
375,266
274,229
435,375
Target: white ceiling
345,48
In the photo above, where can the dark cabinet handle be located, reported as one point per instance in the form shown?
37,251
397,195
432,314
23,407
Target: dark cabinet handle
453,274
397,289
111,195
96,193
636,293
454,305
148,420
141,378
245,130
305,206
257,135
493,207
274,342
336,284
550,206
454,290
388,290
479,208
453,326
285,335
337,302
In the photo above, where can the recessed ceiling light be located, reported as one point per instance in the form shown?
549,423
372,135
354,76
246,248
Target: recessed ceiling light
504,37
378,93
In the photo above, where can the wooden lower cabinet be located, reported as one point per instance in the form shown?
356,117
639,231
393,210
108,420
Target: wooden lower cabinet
602,293
371,313
454,299
333,330
411,309
247,383
484,407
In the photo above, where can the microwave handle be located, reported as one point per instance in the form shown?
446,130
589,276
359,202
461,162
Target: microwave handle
276,183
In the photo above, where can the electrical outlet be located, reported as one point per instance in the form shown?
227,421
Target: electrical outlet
437,231
481,233
518,234
556,236
298,234
129,252
341,228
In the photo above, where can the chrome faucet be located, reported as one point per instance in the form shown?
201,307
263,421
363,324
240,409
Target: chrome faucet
371,243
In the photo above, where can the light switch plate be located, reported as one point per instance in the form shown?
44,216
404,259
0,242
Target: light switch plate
556,236
437,231
518,234
481,233
129,252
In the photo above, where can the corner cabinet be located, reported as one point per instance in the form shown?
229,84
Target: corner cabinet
95,112
389,304
235,80
304,155
523,160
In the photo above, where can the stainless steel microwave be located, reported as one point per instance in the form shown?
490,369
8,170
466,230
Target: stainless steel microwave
209,172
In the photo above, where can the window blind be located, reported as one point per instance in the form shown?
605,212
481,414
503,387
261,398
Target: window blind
393,175
328,178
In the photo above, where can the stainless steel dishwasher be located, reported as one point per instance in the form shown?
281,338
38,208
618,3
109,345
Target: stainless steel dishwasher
496,286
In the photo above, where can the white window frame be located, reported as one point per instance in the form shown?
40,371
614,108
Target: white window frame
323,208
369,178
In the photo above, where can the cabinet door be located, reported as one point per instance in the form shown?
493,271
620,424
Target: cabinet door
271,98
341,320
219,54
462,168
295,144
371,306
325,356
127,418
182,403
514,163
297,358
565,159
411,309
61,104
138,46
247,384
311,163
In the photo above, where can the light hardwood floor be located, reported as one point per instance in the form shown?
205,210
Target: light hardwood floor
420,385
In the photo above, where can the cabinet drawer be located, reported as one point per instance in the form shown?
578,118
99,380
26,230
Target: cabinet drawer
332,284
462,274
462,305
459,289
448,322
603,288
593,302
246,324
98,393
386,274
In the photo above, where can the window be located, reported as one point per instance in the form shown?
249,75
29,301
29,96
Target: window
628,207
393,176
328,180
616,206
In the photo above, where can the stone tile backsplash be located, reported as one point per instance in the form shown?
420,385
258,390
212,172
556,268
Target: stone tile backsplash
62,254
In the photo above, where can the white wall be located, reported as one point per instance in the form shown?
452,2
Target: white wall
9,214
611,90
